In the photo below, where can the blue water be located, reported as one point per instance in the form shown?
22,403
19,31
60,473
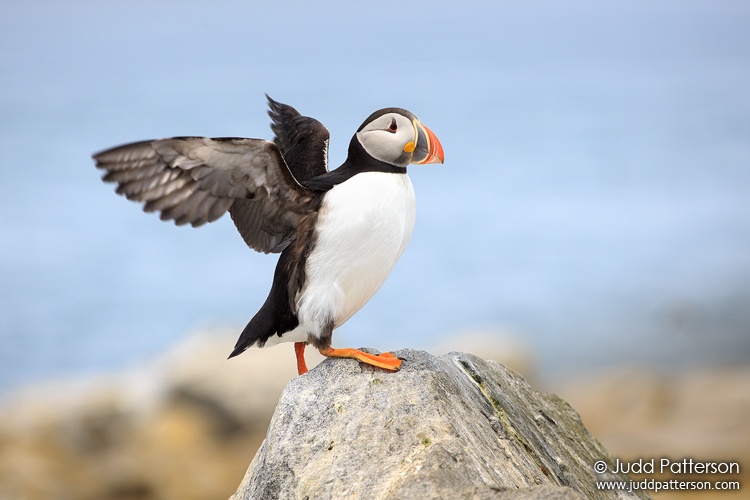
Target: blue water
594,201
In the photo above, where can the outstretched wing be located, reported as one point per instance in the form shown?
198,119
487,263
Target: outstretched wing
194,180
303,140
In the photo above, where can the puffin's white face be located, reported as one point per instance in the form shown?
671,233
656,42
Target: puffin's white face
393,138
385,138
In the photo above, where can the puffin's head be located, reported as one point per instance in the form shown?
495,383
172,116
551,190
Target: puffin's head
397,137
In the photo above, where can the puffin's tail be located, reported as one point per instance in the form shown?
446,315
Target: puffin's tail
257,331
275,317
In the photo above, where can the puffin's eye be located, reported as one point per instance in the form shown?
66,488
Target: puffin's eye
392,127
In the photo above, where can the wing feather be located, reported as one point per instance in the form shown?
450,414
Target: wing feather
194,180
303,140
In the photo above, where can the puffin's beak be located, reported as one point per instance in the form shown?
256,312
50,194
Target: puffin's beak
428,149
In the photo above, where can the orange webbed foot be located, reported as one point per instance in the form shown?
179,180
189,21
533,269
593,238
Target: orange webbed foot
386,360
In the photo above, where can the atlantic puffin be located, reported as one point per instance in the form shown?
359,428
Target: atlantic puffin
339,232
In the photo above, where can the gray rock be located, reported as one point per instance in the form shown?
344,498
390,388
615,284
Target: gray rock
456,426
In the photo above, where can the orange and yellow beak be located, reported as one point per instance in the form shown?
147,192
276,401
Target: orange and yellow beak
427,148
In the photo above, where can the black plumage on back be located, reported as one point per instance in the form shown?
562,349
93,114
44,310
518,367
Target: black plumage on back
303,143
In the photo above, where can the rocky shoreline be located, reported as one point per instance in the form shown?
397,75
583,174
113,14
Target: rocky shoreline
188,424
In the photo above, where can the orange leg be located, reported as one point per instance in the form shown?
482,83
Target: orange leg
386,360
299,350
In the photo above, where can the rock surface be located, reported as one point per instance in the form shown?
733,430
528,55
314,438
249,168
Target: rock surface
453,426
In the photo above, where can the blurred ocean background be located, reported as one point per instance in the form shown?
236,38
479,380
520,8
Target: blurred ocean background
594,202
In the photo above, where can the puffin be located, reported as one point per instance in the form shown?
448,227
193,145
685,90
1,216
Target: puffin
339,232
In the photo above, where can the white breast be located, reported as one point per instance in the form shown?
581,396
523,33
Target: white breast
363,227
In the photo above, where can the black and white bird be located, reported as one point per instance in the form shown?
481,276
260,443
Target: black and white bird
339,232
